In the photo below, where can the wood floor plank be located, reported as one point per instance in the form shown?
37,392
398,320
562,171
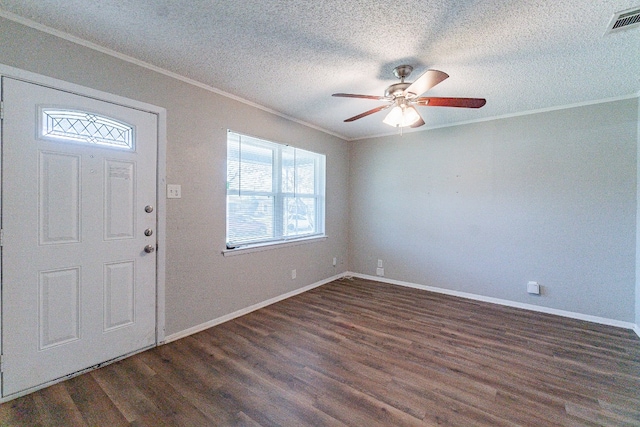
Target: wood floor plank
200,390
362,353
57,408
20,412
134,405
93,403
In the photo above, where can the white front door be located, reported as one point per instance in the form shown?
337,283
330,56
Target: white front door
78,210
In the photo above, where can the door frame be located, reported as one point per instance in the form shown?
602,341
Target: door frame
161,182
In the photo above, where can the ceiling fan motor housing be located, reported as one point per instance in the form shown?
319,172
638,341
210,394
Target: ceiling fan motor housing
396,89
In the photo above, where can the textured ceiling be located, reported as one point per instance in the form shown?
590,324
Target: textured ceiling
290,56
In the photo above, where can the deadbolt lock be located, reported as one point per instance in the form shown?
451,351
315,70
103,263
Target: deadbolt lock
148,232
148,209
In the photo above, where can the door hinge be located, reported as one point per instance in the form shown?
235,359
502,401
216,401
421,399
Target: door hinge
1,363
1,110
1,239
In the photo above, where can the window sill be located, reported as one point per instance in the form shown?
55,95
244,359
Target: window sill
273,245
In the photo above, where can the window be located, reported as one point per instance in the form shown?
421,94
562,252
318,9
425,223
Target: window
84,127
275,192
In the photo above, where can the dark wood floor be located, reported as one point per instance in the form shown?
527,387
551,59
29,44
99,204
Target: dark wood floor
362,353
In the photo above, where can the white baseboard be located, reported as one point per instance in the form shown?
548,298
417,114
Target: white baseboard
242,312
508,303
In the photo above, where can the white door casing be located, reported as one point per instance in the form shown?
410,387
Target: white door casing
78,289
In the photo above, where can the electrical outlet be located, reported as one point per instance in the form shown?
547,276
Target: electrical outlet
293,274
335,261
380,271
174,191
379,263
533,288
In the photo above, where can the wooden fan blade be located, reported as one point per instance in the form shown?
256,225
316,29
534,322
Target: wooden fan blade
426,81
351,95
366,113
451,102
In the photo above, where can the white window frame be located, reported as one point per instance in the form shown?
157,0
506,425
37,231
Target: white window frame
279,237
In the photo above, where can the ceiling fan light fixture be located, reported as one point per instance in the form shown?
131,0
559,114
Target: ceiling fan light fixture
401,116
403,97
411,116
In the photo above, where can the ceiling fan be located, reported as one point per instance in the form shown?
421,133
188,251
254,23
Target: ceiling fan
403,97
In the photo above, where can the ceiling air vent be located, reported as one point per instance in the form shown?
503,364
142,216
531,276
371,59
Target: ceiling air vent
629,18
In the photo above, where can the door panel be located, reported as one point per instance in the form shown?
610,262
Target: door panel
119,294
59,198
119,200
77,288
58,307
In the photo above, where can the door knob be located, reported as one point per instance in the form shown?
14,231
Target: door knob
149,248
148,209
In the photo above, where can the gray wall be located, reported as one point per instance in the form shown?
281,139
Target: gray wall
485,208
637,319
201,284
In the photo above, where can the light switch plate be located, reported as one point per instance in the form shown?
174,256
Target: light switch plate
174,191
